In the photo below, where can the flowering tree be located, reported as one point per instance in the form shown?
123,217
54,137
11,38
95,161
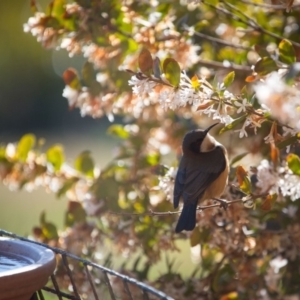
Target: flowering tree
167,67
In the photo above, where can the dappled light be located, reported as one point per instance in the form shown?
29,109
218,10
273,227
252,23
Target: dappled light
157,70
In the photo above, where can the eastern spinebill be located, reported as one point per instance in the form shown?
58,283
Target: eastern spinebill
202,174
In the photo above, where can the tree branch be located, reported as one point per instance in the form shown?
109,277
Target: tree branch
270,6
215,40
168,213
220,65
249,22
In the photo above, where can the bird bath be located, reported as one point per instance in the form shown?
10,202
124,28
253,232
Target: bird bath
24,268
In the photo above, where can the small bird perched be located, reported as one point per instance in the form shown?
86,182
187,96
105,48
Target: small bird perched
202,174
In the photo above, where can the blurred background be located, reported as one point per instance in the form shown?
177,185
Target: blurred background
31,102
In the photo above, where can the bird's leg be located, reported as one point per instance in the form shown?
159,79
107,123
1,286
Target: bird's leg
223,202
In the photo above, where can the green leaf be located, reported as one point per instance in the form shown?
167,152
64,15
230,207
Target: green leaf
95,88
293,161
118,131
268,202
33,6
228,80
68,184
223,277
286,52
262,52
287,142
145,61
58,9
88,73
55,156
25,144
195,237
208,257
200,236
243,180
71,78
238,158
74,214
153,159
265,66
205,234
233,124
2,153
58,12
49,230
172,71
107,189
84,163
244,92
149,160
85,3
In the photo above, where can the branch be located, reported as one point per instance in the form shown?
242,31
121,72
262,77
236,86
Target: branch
250,110
220,65
216,40
168,213
249,22
142,76
270,6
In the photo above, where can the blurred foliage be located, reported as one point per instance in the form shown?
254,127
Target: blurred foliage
186,63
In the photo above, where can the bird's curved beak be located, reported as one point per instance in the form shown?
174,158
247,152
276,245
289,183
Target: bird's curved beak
210,127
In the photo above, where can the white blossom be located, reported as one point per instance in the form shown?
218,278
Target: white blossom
45,35
91,205
290,186
277,263
71,95
278,180
280,98
171,98
242,106
242,132
267,178
166,183
289,131
141,87
269,139
228,96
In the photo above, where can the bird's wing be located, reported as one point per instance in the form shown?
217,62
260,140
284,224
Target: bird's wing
179,182
195,174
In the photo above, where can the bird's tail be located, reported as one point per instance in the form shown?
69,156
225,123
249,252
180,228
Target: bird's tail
187,219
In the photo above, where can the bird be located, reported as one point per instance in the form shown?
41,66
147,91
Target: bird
202,174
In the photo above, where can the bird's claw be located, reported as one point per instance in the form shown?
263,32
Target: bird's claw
223,202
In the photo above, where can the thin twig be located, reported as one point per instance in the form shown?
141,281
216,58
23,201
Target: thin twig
270,6
220,65
250,22
142,76
168,213
215,40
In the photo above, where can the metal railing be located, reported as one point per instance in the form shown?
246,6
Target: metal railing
99,282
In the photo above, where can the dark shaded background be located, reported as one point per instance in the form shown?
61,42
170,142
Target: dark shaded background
30,90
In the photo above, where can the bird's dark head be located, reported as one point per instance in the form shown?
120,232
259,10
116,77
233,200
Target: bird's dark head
198,140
